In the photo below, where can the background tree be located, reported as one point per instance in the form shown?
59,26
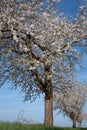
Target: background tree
71,102
36,47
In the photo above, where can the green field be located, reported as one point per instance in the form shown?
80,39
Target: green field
19,126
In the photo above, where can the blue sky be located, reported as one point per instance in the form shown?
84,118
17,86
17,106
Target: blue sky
70,7
11,102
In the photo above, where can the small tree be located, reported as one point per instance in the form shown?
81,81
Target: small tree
71,102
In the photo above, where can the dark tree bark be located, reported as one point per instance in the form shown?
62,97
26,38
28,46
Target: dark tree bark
48,116
74,123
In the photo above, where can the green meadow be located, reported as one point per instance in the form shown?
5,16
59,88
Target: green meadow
20,126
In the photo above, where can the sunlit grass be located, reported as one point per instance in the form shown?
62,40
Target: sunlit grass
20,126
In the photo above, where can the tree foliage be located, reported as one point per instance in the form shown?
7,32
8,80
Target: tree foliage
32,37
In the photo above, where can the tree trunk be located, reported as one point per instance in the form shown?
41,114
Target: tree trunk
79,124
48,117
74,123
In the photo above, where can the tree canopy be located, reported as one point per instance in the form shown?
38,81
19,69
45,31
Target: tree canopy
71,102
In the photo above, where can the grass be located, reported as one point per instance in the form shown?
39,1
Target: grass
20,126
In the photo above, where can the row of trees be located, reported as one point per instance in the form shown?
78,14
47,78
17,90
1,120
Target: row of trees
39,48
71,102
